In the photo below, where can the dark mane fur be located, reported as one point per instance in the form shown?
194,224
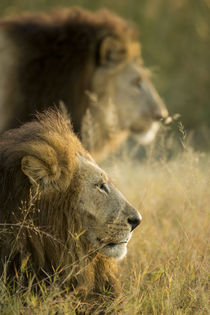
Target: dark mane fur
57,55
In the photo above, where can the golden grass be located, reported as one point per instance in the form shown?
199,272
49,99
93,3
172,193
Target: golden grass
166,270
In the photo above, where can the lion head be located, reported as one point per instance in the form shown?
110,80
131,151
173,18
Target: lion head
125,103
58,208
91,62
111,219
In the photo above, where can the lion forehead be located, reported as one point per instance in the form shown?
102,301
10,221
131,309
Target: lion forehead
90,168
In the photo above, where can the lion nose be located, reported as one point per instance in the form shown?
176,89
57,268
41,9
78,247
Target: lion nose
134,221
158,108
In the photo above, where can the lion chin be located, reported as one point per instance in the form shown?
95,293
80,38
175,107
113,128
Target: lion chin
148,135
117,251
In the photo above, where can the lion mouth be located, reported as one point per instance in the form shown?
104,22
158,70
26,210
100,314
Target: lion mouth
136,129
116,244
146,135
111,244
116,249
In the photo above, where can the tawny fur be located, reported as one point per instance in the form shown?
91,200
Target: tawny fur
42,227
56,56
78,58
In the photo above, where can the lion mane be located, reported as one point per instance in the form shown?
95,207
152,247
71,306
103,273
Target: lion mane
48,240
56,55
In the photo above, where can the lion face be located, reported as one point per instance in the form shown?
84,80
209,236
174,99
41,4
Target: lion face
108,218
136,105
69,180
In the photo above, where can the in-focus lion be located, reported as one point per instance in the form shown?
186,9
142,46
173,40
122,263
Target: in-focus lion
89,61
59,211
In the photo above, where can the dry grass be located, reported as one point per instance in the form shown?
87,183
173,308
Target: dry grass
166,270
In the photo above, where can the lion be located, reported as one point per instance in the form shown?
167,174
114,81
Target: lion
59,211
91,62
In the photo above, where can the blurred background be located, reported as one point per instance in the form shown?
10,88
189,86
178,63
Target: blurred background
175,42
167,270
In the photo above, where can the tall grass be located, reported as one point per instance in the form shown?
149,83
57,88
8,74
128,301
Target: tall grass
167,267
166,270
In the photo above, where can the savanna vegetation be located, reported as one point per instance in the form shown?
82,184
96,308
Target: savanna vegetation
166,270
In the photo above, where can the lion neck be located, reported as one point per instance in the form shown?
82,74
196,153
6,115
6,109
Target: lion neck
102,138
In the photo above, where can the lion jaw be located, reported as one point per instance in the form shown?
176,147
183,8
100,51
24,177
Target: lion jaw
116,249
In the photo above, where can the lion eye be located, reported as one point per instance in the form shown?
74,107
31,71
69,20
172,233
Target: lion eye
137,82
103,187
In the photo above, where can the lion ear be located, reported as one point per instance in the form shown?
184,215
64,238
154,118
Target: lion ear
111,51
36,170
46,175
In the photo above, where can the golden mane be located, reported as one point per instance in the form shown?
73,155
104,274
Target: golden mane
35,226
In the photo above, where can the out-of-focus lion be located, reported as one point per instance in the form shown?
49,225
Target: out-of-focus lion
89,61
58,210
